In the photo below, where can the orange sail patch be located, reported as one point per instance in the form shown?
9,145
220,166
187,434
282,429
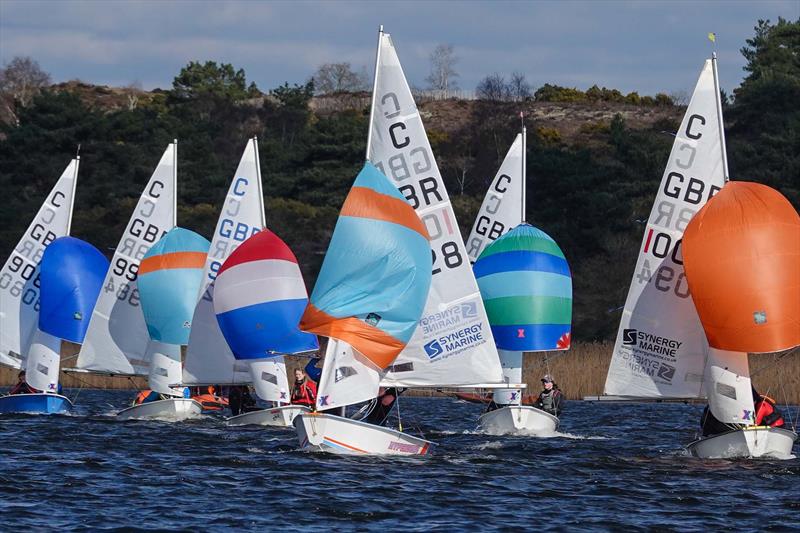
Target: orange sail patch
376,345
741,255
173,260
364,202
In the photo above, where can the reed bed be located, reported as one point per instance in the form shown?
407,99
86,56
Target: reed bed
579,372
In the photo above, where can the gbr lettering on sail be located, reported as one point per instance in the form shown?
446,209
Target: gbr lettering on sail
414,160
682,196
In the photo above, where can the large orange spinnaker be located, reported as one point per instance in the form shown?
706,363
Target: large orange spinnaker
741,255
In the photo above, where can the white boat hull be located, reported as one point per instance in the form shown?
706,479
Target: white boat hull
334,434
757,441
277,416
519,420
170,409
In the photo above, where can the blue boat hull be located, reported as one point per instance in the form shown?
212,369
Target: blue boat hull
41,403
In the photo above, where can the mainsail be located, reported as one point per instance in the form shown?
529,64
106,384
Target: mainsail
208,357
503,206
453,343
259,297
661,349
19,293
373,283
117,338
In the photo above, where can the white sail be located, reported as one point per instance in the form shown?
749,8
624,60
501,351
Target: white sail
19,292
208,357
502,206
728,387
43,362
661,348
347,377
117,339
269,379
165,367
512,373
453,343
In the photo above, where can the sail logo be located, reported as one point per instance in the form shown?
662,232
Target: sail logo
629,337
373,319
747,415
455,342
449,318
653,344
666,372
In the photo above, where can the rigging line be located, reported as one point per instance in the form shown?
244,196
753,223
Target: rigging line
775,361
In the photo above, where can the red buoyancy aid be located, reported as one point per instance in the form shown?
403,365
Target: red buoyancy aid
305,393
766,414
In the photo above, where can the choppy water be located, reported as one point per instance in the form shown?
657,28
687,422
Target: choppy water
614,467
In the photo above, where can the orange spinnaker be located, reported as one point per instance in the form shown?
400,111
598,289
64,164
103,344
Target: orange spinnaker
741,254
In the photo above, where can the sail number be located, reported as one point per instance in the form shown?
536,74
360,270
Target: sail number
666,278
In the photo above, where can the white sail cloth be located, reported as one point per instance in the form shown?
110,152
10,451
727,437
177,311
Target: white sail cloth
43,362
269,379
728,387
347,377
512,373
453,343
208,357
165,368
117,339
19,294
501,209
661,349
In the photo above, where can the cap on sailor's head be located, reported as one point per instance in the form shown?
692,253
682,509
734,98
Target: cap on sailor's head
547,378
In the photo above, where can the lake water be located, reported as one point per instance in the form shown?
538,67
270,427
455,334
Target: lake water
612,467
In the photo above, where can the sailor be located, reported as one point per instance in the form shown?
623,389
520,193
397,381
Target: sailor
22,386
146,396
386,399
767,413
239,399
312,371
304,391
210,400
551,398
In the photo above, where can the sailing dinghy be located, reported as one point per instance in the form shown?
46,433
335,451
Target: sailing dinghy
259,297
70,275
661,350
117,342
369,295
741,253
168,279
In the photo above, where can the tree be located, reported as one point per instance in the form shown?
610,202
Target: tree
443,70
209,79
20,81
518,87
338,78
492,88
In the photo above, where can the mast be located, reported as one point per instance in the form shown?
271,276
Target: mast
74,185
524,168
718,101
175,183
254,140
374,90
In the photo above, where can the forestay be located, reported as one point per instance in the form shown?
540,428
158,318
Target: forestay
453,343
502,206
117,338
660,350
208,357
19,294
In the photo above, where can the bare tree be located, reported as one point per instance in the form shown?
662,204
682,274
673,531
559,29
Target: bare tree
518,87
338,78
133,90
443,72
22,79
493,88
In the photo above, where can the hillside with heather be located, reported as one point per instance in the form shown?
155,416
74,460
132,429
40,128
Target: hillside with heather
595,157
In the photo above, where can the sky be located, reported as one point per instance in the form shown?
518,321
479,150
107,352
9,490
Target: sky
645,46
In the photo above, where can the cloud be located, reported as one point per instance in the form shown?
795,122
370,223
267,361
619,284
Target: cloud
642,46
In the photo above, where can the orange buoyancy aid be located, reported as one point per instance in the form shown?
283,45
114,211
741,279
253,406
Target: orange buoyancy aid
142,396
767,414
210,401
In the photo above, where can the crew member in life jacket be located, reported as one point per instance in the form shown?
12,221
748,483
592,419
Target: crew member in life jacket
210,400
386,399
22,386
551,399
304,391
767,413
147,396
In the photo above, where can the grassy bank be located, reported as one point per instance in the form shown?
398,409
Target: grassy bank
579,372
